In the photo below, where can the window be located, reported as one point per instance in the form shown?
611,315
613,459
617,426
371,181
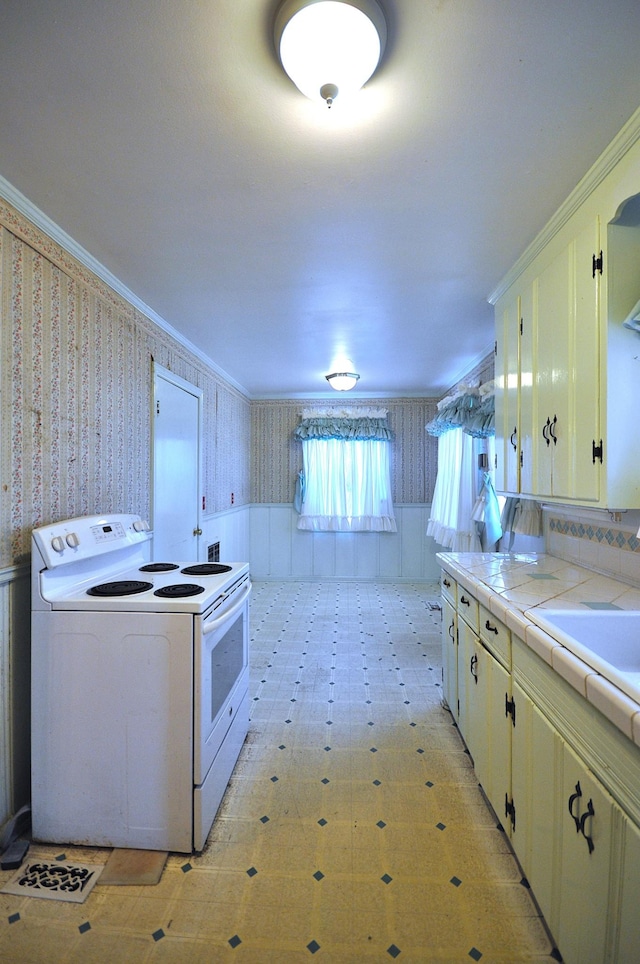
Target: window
346,471
465,512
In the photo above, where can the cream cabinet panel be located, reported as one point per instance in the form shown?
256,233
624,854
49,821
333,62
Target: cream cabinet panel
536,755
507,378
526,426
550,365
548,354
578,920
628,938
498,725
566,389
450,656
483,691
477,696
467,641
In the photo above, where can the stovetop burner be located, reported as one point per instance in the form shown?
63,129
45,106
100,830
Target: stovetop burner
159,567
124,587
179,590
205,569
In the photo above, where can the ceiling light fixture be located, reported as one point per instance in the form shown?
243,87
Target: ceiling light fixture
342,381
330,47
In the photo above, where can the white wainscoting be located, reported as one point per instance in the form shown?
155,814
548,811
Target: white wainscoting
279,550
15,686
231,529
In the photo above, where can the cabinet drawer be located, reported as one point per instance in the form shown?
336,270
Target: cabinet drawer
495,636
449,588
468,608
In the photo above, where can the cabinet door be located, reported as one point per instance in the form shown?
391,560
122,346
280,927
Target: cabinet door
526,425
450,656
507,374
478,695
580,917
551,368
583,472
628,943
497,783
566,372
536,758
467,642
484,725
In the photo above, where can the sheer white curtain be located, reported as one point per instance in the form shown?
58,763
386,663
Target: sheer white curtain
347,486
451,523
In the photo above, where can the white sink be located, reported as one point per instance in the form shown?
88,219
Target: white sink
606,640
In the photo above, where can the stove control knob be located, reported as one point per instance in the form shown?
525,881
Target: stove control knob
72,540
141,526
57,544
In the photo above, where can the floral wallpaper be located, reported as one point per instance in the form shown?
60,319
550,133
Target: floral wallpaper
75,395
277,456
75,404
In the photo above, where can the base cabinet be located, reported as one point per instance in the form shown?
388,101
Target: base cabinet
530,736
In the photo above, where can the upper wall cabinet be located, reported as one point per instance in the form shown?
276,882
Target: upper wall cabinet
567,369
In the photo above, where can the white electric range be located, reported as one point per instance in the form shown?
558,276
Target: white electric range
139,686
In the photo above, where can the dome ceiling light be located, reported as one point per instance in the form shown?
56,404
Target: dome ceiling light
342,381
330,47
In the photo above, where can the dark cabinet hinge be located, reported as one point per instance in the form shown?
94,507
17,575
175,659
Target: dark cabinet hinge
510,707
596,451
521,326
510,811
495,348
521,458
596,265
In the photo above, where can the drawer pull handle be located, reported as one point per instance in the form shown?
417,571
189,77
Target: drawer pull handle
572,799
492,629
451,632
464,601
473,665
514,435
589,812
445,582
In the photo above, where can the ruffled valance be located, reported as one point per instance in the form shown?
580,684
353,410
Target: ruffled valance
473,412
355,426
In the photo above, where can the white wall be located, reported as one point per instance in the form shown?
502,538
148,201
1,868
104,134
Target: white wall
279,550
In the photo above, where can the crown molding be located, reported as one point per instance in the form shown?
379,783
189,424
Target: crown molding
40,220
611,156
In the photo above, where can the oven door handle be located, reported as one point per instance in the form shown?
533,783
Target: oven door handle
210,625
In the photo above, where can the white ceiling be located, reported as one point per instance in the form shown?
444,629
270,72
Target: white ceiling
272,233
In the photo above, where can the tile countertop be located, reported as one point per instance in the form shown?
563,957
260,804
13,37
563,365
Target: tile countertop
512,584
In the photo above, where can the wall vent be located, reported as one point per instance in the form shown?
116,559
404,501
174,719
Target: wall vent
213,552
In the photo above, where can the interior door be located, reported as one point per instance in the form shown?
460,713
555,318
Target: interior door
176,468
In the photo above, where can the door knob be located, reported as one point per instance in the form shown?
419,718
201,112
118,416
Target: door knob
197,532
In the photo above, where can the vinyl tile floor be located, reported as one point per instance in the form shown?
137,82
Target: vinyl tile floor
353,828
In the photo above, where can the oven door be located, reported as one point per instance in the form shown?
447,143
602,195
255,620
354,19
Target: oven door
221,676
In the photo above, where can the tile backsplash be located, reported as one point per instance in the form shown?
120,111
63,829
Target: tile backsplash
599,540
